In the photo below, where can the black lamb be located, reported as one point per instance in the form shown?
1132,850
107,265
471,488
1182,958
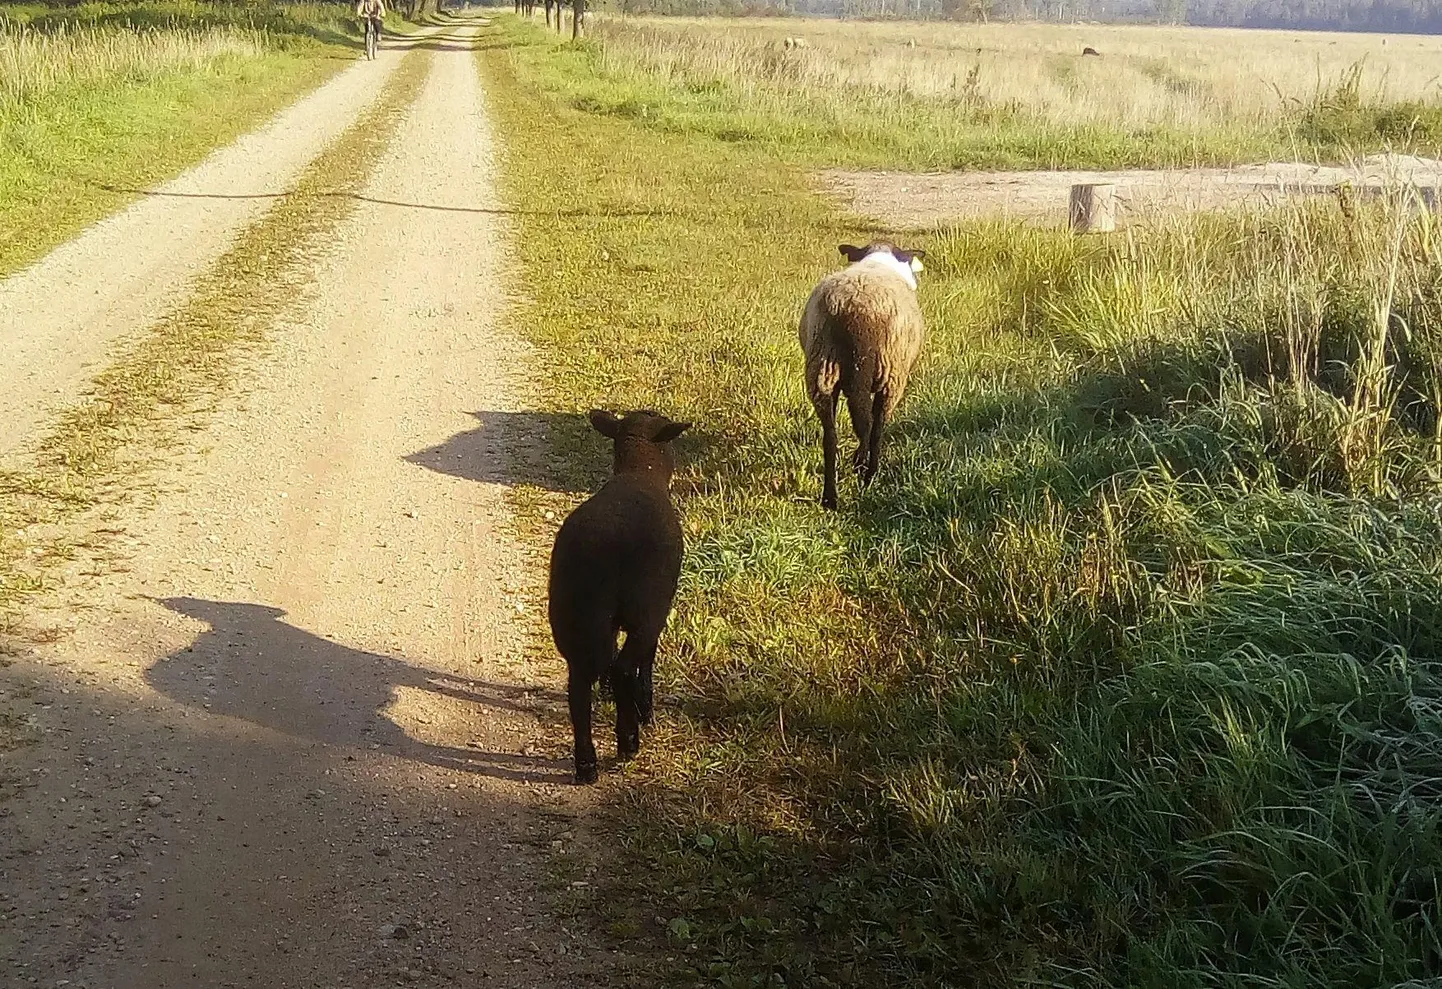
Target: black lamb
614,569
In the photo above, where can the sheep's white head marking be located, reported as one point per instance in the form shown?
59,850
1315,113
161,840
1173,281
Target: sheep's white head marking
907,264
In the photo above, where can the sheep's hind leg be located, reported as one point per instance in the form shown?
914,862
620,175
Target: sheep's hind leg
859,406
578,690
826,410
879,414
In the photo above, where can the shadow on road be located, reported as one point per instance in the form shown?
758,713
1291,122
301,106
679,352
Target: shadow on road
374,200
537,449
254,666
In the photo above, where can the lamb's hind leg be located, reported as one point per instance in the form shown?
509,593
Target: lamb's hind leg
603,682
628,723
646,668
633,684
626,687
578,692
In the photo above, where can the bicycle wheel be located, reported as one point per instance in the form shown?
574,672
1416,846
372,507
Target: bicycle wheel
370,40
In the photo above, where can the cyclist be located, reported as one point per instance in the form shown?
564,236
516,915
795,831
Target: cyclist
373,11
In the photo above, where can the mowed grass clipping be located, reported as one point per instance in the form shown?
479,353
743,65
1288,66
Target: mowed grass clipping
1126,670
99,101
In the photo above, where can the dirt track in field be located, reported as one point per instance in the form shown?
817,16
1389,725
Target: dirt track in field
290,730
924,200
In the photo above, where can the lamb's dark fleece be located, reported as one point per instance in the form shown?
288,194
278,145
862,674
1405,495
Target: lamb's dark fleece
614,569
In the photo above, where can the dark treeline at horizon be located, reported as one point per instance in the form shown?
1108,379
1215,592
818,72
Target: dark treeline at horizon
1387,16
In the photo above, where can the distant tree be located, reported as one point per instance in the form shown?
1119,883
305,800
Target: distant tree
1421,16
1172,11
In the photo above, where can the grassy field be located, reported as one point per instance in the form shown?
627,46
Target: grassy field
946,95
101,96
1124,673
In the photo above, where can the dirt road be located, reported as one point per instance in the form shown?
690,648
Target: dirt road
290,735
58,317
923,200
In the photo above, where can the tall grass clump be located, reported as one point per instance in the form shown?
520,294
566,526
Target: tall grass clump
1348,115
34,63
281,21
1125,672
46,50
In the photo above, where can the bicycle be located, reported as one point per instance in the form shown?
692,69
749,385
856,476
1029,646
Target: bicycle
372,38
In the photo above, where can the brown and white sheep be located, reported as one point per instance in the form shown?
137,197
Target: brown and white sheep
861,333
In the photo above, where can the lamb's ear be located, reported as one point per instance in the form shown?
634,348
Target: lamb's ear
669,431
852,254
605,423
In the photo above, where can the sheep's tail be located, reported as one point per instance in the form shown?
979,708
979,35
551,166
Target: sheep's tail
857,365
865,372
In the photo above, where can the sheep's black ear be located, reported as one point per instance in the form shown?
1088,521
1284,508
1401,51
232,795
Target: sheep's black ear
852,254
669,431
912,259
605,423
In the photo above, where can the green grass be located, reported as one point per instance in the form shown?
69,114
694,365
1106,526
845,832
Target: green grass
739,88
1126,670
69,154
876,130
902,133
1345,118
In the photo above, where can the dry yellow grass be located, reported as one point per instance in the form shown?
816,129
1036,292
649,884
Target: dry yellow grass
1183,78
33,63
